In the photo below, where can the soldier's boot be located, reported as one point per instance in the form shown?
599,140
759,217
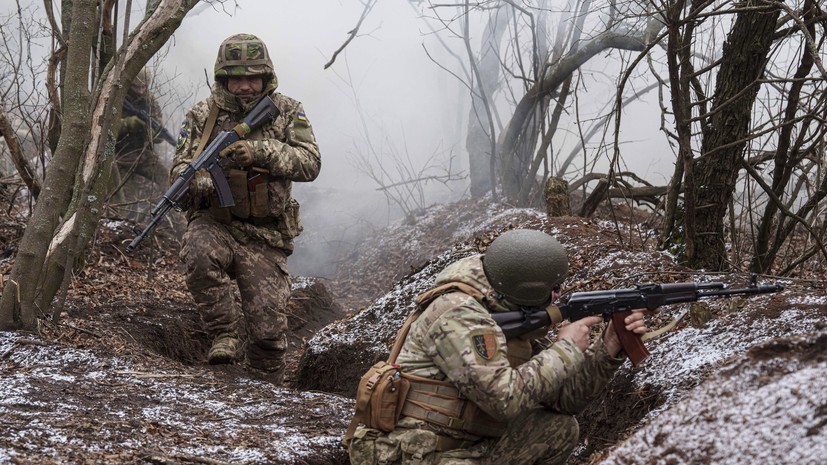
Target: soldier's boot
274,376
267,365
224,349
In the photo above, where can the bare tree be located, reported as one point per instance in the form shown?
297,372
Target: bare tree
67,213
519,61
765,122
481,138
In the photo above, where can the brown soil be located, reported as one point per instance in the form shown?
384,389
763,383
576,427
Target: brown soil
131,319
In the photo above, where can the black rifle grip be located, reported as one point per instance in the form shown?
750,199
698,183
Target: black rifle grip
631,342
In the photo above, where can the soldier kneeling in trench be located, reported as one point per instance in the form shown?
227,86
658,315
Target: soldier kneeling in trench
468,395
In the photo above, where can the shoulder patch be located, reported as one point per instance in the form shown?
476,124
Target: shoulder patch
485,345
183,135
302,129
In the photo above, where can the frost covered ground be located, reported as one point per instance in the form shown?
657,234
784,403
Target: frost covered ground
118,383
67,405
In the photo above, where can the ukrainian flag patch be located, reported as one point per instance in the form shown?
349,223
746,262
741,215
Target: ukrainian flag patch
183,134
301,116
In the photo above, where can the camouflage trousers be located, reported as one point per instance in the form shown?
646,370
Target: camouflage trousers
214,259
540,437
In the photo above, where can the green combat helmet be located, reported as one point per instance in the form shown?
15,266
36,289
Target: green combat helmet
242,55
525,266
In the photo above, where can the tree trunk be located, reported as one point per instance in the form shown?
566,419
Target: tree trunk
679,55
84,136
783,165
24,169
93,181
557,197
512,136
742,64
478,141
17,302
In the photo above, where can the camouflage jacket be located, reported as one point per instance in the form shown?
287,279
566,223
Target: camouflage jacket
455,339
293,156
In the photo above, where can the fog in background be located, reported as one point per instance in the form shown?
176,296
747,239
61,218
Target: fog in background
382,99
383,103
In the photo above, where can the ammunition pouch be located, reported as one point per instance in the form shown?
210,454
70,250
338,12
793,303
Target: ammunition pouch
290,222
385,394
380,396
250,193
260,200
441,404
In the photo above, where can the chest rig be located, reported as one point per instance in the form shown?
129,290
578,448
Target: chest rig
250,187
385,393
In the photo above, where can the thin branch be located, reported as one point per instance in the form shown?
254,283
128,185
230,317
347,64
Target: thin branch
353,32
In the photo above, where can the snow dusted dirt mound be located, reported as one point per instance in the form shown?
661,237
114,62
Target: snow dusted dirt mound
64,404
120,377
680,389
768,405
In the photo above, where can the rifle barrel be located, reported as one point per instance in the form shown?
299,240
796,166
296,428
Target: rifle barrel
746,290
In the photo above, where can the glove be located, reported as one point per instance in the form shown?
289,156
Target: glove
201,185
243,153
132,124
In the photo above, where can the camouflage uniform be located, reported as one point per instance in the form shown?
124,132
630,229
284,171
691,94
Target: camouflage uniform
135,155
456,340
236,243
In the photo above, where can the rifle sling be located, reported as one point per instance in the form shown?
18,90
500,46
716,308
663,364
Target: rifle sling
207,132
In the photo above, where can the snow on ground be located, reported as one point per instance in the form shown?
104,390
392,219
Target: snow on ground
673,366
755,410
58,402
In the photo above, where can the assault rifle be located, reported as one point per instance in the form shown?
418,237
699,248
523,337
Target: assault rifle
616,305
264,112
157,129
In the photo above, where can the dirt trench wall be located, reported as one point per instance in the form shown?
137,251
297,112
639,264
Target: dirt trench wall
338,355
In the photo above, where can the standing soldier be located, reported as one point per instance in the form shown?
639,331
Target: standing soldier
137,166
249,242
474,397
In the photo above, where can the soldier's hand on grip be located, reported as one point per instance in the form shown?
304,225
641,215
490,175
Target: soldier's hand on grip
634,323
578,331
132,123
241,152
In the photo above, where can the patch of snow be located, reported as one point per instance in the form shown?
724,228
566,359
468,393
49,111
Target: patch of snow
301,282
493,218
391,309
767,412
181,415
671,368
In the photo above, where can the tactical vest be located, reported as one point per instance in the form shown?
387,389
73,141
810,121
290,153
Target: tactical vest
386,393
259,198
